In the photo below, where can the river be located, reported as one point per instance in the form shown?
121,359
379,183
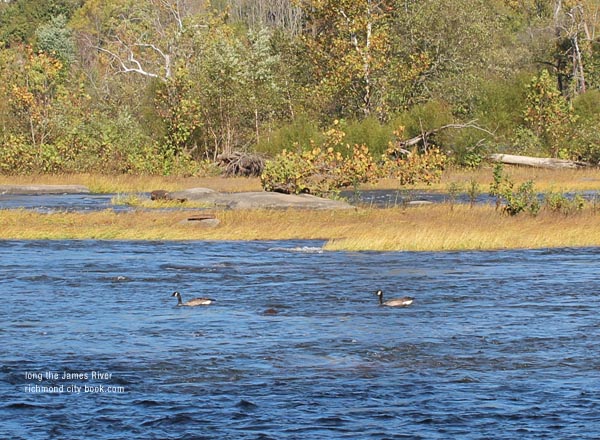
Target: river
496,345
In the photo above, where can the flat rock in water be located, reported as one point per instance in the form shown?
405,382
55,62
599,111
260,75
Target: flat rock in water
44,189
259,200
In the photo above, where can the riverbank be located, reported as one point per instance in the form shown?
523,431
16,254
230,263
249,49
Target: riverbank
586,179
428,228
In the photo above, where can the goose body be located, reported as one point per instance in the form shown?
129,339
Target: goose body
192,302
396,302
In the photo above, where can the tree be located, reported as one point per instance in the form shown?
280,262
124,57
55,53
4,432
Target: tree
348,45
547,114
575,25
37,82
56,39
19,19
440,49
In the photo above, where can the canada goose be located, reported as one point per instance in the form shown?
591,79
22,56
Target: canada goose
192,302
396,302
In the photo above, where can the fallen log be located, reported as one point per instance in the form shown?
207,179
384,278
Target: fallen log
536,162
240,163
404,146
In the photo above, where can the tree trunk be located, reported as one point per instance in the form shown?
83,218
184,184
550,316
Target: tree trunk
536,162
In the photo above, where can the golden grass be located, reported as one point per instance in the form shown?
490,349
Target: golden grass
125,183
139,201
585,179
428,228
544,180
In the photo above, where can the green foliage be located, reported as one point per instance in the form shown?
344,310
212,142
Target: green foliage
548,114
20,19
473,191
369,132
54,38
320,170
17,156
296,132
161,86
499,105
34,88
424,117
560,203
513,201
179,109
587,106
454,189
326,168
468,148
585,146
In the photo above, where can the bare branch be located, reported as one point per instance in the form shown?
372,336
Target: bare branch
402,146
124,68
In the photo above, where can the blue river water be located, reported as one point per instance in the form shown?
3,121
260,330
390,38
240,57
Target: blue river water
498,345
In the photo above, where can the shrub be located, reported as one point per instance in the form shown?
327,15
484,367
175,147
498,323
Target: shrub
320,170
560,203
513,202
412,167
369,132
327,168
300,131
17,156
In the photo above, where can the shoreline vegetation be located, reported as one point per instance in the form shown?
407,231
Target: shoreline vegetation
439,227
564,180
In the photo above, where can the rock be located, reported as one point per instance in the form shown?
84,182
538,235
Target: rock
159,194
260,200
191,194
44,189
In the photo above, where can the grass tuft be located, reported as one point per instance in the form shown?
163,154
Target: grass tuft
427,228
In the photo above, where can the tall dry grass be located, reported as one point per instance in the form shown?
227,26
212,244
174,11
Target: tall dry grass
125,183
585,179
544,179
428,228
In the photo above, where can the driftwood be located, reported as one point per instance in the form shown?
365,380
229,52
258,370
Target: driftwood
239,163
423,139
536,162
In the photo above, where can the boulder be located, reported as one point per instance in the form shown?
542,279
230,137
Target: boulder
259,200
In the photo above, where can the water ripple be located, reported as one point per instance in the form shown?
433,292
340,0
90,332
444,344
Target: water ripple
296,345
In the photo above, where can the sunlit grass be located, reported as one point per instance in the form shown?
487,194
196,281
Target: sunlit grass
428,228
142,201
585,179
544,180
125,183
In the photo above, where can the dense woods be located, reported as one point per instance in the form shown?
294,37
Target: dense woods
170,86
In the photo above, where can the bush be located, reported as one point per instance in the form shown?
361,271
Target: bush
300,131
513,202
323,170
560,203
17,156
320,170
424,117
413,167
369,132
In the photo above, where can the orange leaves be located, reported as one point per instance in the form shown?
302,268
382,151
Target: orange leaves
320,170
326,169
35,85
415,167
